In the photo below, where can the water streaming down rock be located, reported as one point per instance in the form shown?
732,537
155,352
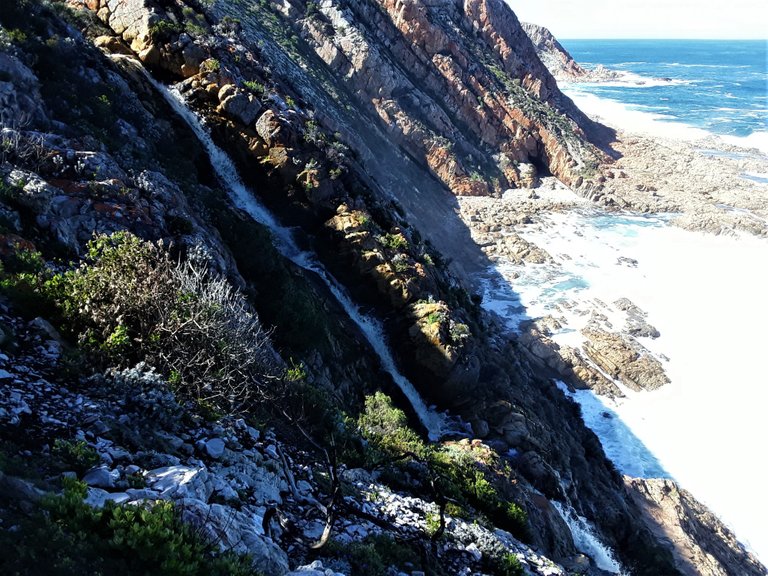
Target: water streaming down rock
586,541
226,171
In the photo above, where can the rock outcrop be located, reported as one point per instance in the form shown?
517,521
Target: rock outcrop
700,543
559,62
556,58
625,359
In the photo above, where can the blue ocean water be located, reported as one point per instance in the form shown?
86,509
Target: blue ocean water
717,85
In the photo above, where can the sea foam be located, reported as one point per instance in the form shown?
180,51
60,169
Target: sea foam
706,295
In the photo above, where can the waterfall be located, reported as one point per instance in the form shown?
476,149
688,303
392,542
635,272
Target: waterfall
586,540
227,173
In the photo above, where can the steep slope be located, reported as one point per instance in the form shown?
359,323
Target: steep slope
354,126
559,62
556,58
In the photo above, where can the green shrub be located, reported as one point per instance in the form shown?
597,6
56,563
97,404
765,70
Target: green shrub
394,241
210,65
129,302
432,522
456,473
23,278
164,29
75,455
508,565
255,87
72,538
374,555
386,428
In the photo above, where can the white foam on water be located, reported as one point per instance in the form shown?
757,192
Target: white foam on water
630,119
707,296
757,140
623,116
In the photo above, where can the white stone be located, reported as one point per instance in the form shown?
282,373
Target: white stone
180,482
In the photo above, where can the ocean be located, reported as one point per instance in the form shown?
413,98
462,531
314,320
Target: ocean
704,293
695,87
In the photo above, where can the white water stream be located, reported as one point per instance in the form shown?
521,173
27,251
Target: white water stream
433,422
586,540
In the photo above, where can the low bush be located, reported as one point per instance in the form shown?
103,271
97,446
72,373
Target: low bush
129,302
374,555
457,474
75,455
68,537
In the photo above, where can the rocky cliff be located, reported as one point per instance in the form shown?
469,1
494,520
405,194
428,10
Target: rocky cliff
355,124
556,58
559,62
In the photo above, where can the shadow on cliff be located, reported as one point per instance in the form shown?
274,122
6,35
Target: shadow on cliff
507,402
390,171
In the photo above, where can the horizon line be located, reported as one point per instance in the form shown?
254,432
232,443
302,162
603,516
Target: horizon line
565,38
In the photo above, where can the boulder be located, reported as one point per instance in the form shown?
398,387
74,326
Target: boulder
238,104
101,477
237,530
180,482
215,448
622,357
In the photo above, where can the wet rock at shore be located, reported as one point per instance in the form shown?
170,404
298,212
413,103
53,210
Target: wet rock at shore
636,325
623,358
564,362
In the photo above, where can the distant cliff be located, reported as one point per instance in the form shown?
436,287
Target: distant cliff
557,59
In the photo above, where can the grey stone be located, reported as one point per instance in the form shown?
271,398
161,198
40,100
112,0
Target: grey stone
215,448
97,497
237,530
238,104
180,482
101,477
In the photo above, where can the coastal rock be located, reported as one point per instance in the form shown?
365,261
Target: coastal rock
565,362
624,358
559,62
430,50
636,325
700,543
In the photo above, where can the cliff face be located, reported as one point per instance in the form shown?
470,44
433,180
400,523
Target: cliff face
455,83
354,122
556,58
559,62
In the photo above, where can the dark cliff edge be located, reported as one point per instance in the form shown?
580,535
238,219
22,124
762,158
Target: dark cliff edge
356,123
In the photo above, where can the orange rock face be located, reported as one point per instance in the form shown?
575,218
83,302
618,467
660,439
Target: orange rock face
457,84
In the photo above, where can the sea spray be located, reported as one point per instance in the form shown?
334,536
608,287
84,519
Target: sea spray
226,171
586,541
706,296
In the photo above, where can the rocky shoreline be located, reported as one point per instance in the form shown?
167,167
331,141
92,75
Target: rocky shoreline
700,186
